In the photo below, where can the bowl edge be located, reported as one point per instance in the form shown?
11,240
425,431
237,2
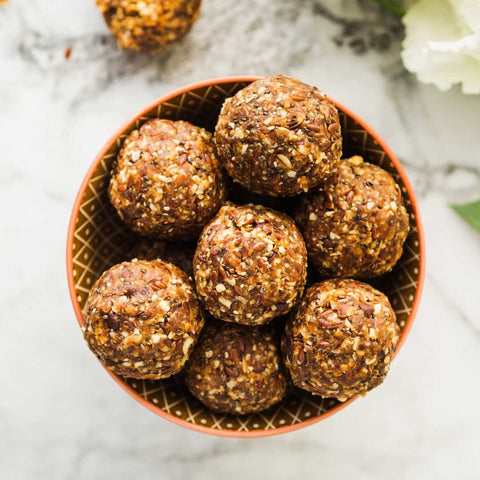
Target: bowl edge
71,282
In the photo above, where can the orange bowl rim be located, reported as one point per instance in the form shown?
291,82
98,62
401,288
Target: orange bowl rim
71,281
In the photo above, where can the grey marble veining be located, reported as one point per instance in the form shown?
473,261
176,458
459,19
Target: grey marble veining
60,415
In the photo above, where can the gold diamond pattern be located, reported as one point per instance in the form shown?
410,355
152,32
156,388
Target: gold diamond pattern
101,240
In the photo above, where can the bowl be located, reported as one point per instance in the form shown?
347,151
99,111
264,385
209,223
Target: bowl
97,239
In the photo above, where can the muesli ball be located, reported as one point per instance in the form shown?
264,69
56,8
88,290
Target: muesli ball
356,224
179,253
142,319
250,264
148,25
279,136
341,339
166,181
236,369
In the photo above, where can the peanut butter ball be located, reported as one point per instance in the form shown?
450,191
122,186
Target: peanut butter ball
148,25
356,224
142,318
236,369
279,136
250,264
166,181
340,340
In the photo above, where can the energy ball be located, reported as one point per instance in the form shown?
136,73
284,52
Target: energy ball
166,181
236,369
355,226
180,254
279,136
250,264
340,340
148,25
142,318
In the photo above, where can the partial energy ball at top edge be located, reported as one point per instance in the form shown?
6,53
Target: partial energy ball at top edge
149,25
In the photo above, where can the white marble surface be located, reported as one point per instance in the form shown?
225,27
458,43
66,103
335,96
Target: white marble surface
60,415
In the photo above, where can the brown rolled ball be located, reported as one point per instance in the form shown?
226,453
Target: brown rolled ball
142,318
236,369
250,264
180,254
356,225
166,181
148,25
279,136
340,340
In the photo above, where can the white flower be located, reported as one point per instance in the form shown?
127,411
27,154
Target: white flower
442,43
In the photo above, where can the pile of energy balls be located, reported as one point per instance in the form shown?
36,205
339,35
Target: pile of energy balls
245,327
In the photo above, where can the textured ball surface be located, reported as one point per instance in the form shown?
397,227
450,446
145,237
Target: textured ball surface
148,25
236,369
142,318
250,264
340,340
279,136
356,224
167,182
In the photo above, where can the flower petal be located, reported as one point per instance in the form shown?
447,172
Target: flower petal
442,43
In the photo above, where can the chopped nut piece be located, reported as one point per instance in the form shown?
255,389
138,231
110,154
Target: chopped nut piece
285,161
225,301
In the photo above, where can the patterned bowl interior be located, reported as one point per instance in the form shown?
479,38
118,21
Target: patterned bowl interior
101,240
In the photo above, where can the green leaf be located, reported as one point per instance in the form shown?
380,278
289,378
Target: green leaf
470,212
394,6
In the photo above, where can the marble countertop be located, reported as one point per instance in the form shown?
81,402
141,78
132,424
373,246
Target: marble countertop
60,415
